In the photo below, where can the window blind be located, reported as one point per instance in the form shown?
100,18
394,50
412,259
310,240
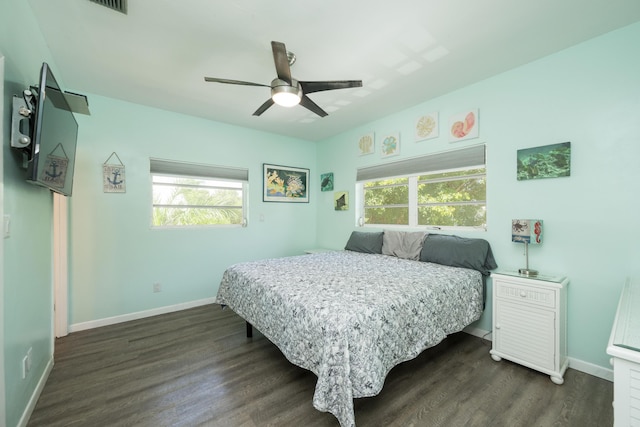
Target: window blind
474,155
171,167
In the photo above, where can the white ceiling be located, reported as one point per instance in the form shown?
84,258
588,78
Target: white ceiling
405,51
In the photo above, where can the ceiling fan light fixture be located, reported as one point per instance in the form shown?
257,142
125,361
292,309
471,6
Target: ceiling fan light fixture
286,96
287,91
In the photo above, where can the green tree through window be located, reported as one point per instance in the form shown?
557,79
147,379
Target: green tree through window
441,199
181,201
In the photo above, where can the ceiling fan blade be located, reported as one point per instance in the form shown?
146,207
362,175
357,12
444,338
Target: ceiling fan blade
233,82
268,103
282,61
310,87
307,103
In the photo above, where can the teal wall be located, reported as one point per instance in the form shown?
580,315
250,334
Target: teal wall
27,298
588,95
115,254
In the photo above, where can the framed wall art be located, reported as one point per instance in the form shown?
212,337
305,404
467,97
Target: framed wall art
463,126
427,127
391,145
341,200
366,144
326,181
547,161
285,184
113,175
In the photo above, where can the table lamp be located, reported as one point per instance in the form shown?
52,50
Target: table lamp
529,232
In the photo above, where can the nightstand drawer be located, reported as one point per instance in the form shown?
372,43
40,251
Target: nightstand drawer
528,294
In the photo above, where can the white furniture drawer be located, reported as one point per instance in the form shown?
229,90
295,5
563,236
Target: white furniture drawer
528,294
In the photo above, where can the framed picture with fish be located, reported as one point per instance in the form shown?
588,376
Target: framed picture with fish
547,161
285,184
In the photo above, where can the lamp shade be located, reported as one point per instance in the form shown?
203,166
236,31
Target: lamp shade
526,231
286,95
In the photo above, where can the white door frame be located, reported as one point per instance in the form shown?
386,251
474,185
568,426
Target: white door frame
60,265
2,390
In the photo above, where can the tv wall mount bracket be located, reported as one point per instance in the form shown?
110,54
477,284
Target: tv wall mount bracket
23,109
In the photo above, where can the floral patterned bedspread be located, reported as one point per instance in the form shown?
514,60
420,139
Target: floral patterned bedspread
350,317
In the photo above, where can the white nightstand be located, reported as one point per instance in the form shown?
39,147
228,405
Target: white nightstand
530,322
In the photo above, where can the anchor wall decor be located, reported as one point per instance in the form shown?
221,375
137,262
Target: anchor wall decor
54,167
113,176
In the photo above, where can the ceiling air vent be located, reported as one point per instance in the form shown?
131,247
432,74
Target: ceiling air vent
117,5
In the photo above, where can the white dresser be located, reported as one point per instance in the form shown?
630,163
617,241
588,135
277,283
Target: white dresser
530,322
624,349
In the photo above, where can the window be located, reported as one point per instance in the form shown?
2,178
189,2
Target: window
439,190
189,194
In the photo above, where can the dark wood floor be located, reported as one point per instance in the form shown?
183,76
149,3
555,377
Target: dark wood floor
197,368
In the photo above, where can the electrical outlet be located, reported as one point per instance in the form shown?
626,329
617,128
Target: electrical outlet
157,287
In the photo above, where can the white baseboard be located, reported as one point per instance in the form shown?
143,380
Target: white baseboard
577,364
24,419
476,332
138,315
591,369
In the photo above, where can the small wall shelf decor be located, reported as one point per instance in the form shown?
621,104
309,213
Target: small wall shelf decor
113,176
285,184
326,181
341,200
547,161
427,127
366,144
463,126
391,144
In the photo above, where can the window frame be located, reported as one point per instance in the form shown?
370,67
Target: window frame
468,160
176,169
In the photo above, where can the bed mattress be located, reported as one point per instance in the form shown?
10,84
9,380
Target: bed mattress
351,317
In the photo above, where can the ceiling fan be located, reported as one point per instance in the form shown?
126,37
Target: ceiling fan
287,91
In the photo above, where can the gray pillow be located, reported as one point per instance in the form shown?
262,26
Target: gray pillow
365,242
403,244
458,252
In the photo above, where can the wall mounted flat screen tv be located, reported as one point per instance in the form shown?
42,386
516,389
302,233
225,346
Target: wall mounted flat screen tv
54,135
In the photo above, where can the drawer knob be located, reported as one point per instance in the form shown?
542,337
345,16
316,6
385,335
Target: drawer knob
523,294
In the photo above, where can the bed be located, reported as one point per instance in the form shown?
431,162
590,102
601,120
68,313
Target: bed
351,316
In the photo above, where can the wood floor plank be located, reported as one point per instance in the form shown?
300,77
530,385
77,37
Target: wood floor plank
197,368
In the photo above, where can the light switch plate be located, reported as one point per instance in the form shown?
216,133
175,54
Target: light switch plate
7,228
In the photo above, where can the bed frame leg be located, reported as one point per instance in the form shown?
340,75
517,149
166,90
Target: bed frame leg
249,330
